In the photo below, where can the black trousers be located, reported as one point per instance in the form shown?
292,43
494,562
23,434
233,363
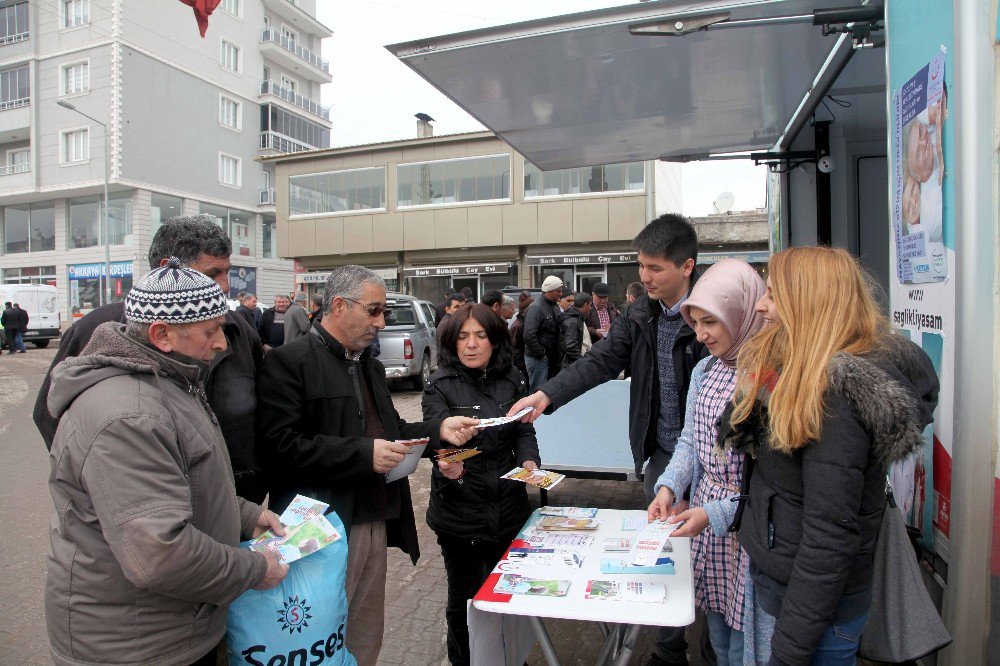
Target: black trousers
467,563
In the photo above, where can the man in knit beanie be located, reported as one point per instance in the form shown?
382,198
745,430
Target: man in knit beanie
144,552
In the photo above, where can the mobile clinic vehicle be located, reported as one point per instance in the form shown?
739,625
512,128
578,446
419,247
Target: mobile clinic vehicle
877,123
44,319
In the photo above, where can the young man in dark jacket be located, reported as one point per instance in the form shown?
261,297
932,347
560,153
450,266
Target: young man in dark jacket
662,350
199,244
327,429
541,334
574,330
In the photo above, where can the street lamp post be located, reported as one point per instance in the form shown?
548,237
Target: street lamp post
104,217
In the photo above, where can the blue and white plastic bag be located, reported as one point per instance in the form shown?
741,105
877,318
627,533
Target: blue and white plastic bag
303,621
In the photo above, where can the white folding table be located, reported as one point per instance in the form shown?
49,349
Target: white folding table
619,621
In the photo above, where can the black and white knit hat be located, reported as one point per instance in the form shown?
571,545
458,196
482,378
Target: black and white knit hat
174,295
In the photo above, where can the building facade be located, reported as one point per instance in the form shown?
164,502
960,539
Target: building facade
467,210
174,121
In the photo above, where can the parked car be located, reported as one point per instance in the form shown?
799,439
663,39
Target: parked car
409,340
41,302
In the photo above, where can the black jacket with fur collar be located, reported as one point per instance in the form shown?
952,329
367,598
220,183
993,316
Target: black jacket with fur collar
813,517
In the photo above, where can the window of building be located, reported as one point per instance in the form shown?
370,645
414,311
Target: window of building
75,145
15,89
29,228
13,22
628,177
229,170
336,191
289,34
452,181
289,82
163,207
30,275
75,78
18,161
238,225
230,112
119,216
230,56
87,283
75,12
84,220
231,6
269,241
274,119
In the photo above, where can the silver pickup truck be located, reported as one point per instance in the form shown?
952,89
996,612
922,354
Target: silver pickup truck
409,340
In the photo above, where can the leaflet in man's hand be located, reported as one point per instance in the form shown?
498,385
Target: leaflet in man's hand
308,532
456,455
300,509
632,590
649,543
517,584
534,477
502,420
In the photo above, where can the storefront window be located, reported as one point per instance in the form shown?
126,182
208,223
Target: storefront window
30,275
238,225
119,217
87,285
163,207
453,181
270,239
337,191
84,220
628,177
29,228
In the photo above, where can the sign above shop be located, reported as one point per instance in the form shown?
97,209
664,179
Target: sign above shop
571,259
92,271
317,278
761,257
465,269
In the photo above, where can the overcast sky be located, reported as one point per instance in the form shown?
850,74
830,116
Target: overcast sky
374,96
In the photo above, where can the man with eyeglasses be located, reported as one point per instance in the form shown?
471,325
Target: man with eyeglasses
327,429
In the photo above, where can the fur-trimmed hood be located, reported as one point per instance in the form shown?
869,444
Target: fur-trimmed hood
893,391
110,353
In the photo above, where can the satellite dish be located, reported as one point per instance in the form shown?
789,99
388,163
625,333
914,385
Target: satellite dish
724,203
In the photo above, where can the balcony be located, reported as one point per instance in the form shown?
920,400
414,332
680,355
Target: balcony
296,17
15,118
305,103
18,168
281,143
267,197
14,39
290,54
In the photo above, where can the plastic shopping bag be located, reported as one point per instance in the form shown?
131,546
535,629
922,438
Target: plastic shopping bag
303,621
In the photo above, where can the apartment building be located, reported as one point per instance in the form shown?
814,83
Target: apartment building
467,210
127,90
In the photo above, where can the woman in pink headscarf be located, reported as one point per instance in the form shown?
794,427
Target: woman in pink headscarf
721,311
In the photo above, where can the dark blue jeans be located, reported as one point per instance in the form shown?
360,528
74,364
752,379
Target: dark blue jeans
837,647
18,344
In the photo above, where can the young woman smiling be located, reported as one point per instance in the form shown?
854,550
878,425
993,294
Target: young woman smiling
721,312
475,513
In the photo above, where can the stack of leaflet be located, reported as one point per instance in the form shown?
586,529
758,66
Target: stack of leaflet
631,590
645,552
306,531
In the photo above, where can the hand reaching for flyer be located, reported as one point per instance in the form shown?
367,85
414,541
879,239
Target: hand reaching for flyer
538,401
458,430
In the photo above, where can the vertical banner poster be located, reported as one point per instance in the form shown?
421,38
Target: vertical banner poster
242,279
922,292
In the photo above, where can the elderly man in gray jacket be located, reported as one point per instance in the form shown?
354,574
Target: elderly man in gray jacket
144,556
297,319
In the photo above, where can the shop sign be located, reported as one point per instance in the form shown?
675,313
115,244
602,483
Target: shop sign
320,277
761,257
94,271
571,259
467,269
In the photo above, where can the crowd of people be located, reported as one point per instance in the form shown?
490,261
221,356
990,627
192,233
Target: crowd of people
761,418
13,323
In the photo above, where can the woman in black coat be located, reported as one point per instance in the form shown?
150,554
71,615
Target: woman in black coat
474,512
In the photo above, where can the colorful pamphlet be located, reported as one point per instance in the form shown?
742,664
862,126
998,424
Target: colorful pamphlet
633,523
502,420
542,539
410,461
517,584
623,545
663,566
534,477
567,512
632,590
546,557
456,455
649,543
306,531
555,524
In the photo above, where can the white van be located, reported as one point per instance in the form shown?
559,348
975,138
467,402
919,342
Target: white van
44,318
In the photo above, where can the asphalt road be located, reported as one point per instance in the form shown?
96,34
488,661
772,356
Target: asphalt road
415,595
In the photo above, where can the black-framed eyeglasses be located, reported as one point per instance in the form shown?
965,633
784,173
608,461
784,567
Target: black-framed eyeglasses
373,309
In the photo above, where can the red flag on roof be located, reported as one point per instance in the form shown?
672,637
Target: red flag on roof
202,10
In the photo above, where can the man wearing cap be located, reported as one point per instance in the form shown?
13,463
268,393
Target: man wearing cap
542,325
602,311
144,548
199,243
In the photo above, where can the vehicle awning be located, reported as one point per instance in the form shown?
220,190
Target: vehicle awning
582,90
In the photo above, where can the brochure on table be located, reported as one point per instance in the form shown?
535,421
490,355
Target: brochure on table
676,610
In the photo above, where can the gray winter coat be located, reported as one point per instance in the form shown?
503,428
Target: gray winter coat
296,323
143,559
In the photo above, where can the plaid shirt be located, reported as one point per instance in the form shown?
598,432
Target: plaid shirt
603,317
719,563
